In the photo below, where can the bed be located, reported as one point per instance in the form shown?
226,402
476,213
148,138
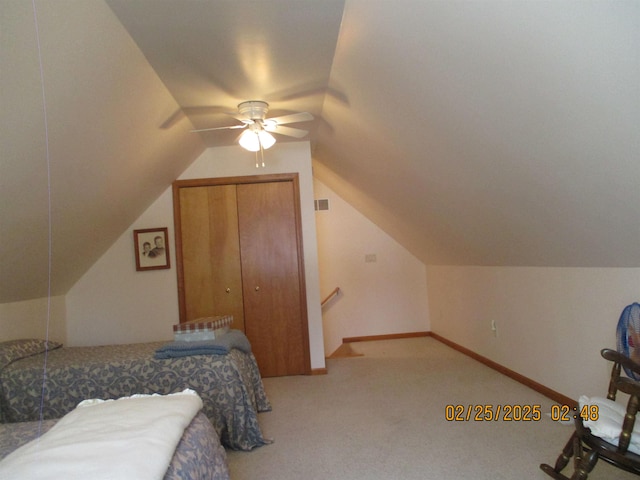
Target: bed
197,456
229,384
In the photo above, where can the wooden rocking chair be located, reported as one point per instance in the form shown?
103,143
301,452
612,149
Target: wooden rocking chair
586,447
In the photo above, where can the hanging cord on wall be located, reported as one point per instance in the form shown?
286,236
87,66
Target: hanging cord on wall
49,236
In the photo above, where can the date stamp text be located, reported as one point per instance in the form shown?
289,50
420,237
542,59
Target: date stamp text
516,413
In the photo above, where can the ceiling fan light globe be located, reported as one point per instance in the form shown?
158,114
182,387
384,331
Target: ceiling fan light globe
252,139
249,141
266,139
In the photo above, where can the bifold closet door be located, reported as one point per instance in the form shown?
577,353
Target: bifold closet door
212,279
271,276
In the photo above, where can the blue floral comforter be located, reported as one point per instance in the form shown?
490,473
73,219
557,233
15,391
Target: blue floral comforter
230,385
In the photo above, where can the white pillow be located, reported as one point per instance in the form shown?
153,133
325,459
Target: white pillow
609,424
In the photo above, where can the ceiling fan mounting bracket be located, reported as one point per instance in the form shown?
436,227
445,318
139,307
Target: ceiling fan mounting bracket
253,109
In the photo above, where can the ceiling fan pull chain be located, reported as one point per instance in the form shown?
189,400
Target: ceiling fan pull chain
261,153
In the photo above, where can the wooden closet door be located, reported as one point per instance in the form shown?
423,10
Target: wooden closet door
212,279
267,220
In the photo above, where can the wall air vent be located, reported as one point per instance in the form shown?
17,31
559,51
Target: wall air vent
321,204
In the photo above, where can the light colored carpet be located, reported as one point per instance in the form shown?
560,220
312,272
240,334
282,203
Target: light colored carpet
382,416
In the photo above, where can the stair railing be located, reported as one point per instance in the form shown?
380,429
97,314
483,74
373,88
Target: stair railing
335,292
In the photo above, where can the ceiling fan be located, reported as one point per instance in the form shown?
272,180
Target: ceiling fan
257,136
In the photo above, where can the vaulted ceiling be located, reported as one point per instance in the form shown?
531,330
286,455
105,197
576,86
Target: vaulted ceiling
474,132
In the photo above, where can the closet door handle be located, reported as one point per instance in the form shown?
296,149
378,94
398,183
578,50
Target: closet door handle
257,288
228,290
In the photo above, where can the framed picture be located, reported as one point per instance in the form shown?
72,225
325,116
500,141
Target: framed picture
152,248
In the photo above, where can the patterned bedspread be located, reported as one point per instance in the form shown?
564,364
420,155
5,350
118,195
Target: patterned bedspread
229,385
198,456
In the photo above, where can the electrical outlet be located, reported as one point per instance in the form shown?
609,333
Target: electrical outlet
494,328
370,258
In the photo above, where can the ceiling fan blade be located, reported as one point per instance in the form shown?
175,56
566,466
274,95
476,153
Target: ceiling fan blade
288,131
218,128
293,118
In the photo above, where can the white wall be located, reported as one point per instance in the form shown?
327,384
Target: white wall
551,322
40,318
377,298
113,303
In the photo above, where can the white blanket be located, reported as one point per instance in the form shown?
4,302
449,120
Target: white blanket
609,423
129,438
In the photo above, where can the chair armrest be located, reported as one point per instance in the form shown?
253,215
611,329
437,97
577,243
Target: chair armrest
617,357
629,386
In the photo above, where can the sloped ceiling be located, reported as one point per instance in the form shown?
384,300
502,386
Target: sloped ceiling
83,154
493,132
474,132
